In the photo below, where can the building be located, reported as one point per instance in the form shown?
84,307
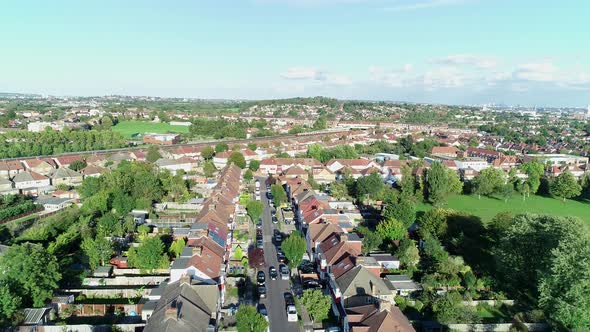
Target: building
161,139
30,179
444,151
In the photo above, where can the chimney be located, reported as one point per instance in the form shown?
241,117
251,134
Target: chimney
171,311
197,251
343,237
185,279
373,289
384,305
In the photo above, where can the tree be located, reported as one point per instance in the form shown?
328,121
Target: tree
149,255
564,287
9,303
434,222
77,165
248,176
440,183
371,240
249,320
221,147
279,196
177,247
316,304
488,182
338,190
392,229
109,225
408,254
254,209
294,246
408,182
254,165
534,171
369,186
320,123
506,191
238,159
448,308
207,153
403,210
209,168
31,272
153,154
565,186
238,253
98,250
252,146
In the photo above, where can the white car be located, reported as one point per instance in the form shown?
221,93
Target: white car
291,313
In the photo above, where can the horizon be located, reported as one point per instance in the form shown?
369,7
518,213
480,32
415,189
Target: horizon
451,52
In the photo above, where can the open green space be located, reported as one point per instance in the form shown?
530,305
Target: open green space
129,128
486,208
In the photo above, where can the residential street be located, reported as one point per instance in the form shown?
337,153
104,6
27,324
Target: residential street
275,302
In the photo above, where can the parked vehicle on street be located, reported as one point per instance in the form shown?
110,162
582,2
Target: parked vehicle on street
260,278
284,272
291,313
272,272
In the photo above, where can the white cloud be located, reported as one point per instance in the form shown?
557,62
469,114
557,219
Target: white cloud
478,61
398,77
538,72
316,76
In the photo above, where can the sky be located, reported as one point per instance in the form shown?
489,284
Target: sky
525,52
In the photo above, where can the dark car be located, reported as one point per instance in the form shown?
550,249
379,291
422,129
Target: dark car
260,278
262,309
268,195
281,257
278,238
275,220
262,291
259,244
311,284
307,267
289,299
272,273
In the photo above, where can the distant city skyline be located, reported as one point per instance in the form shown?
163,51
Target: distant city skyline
430,51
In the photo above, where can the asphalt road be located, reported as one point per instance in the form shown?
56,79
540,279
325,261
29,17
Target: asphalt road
275,301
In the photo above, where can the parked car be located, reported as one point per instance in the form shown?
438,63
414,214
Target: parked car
262,309
284,272
272,273
275,220
281,257
262,291
289,299
260,278
291,313
311,284
259,244
278,237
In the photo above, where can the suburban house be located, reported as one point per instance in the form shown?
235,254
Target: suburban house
184,307
174,165
323,175
6,187
444,151
10,168
92,171
387,261
65,161
29,179
161,139
359,286
401,284
359,164
65,176
488,155
202,260
381,317
40,166
220,159
54,203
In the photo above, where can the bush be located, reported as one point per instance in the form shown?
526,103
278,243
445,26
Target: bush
401,302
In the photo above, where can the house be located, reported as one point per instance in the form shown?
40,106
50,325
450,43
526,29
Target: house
174,165
359,164
30,179
54,203
401,284
488,155
323,175
92,171
5,185
296,172
444,151
358,287
161,139
65,176
203,261
10,168
382,317
184,307
40,166
220,159
387,261
66,161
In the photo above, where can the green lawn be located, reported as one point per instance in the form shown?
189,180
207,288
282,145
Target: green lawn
128,128
486,208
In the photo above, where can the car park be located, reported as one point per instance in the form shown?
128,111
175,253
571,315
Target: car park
272,273
284,270
260,278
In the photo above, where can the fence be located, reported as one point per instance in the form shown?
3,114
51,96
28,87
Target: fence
110,292
88,309
90,328
124,281
496,327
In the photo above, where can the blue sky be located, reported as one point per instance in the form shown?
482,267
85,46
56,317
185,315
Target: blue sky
447,51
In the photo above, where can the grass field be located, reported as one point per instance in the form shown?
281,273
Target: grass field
128,128
486,208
